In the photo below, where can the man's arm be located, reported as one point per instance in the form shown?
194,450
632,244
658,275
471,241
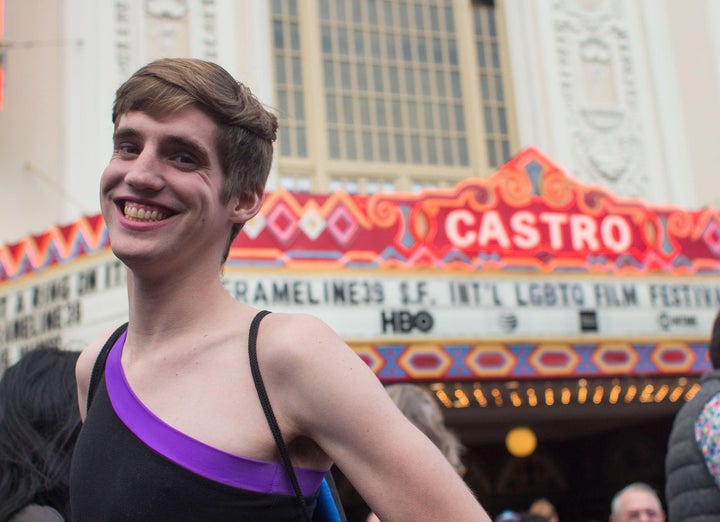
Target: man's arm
332,397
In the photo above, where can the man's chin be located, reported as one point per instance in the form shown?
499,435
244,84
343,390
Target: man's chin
134,256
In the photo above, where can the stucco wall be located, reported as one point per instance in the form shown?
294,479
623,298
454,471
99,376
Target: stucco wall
31,153
693,28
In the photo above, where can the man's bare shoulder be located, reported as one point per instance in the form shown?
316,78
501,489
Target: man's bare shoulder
298,322
297,332
302,350
300,354
89,354
85,364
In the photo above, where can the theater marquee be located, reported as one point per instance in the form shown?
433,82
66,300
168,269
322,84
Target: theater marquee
527,257
458,306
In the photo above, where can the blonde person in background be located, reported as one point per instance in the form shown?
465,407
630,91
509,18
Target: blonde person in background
421,408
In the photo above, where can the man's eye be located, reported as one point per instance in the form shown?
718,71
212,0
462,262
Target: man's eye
185,159
127,148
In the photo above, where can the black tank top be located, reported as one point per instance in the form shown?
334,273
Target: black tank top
118,474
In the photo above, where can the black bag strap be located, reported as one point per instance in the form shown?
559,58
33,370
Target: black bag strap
269,415
99,365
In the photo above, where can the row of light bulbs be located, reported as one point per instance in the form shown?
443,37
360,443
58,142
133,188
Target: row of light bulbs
581,392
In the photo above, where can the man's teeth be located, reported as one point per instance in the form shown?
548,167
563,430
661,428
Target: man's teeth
143,214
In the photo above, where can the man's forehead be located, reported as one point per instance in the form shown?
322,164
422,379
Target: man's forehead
189,123
191,112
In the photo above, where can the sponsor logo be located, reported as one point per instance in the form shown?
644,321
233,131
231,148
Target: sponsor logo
667,321
588,321
404,321
508,321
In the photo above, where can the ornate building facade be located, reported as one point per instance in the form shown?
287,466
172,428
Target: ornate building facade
383,95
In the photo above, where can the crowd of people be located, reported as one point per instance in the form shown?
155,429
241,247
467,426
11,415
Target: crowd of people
636,502
193,411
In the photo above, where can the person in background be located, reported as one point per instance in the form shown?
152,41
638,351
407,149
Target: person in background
519,516
180,399
508,515
39,424
421,408
636,502
544,508
692,462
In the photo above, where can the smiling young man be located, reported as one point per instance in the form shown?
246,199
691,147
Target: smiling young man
176,430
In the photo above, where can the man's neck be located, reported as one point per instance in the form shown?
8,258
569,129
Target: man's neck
175,304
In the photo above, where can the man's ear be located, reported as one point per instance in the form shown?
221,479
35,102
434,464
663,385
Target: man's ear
244,207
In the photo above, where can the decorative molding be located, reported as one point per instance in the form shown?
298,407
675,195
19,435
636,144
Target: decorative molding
166,25
209,29
169,9
530,217
532,361
599,89
124,38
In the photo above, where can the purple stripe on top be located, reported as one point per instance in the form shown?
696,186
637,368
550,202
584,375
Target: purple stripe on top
204,460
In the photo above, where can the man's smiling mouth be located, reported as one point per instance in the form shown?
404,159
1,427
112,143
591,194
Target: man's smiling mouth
135,212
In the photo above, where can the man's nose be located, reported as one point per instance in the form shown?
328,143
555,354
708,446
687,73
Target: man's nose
146,172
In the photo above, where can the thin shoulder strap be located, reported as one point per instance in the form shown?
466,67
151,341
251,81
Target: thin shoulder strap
269,415
99,365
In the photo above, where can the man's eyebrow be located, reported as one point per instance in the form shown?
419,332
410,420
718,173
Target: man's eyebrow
187,143
125,133
171,141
